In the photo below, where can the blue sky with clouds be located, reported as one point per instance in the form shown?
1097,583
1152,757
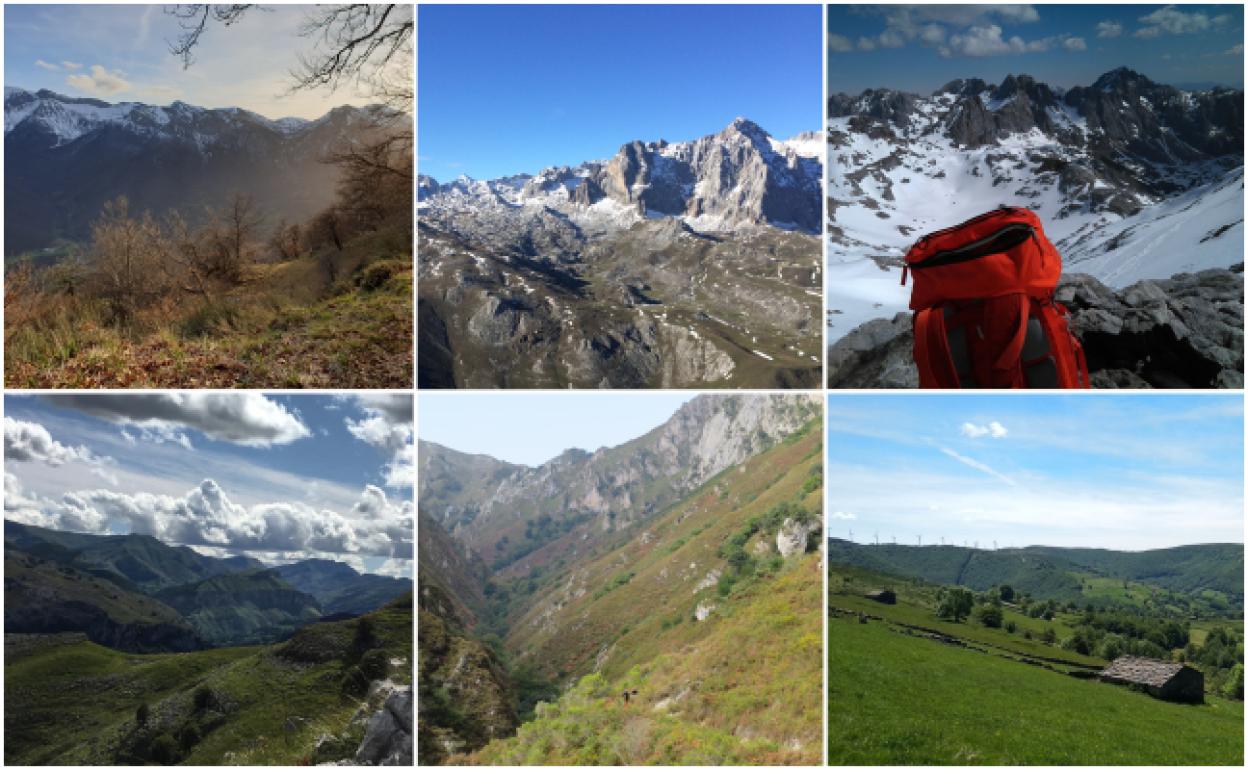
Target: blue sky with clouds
920,48
121,53
297,475
531,428
1128,472
505,90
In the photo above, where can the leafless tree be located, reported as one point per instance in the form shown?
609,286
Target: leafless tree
287,241
126,257
232,236
193,19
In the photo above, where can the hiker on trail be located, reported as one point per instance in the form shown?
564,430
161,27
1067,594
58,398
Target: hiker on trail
625,697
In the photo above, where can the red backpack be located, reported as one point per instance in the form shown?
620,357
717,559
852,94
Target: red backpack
984,310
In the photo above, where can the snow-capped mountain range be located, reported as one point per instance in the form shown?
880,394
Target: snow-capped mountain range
66,156
1132,179
741,176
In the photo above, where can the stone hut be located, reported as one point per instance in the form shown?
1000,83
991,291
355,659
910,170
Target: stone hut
1159,678
883,596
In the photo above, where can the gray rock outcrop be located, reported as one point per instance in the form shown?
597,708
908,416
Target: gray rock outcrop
793,536
388,736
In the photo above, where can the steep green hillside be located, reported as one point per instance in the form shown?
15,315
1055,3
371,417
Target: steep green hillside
1216,567
709,611
48,597
69,701
243,608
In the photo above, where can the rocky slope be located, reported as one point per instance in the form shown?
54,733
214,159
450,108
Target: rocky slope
667,265
244,608
1182,332
1132,179
516,517
339,589
66,157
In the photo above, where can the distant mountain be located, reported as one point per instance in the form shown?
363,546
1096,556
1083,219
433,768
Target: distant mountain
339,589
1047,572
254,607
42,596
65,157
667,265
1132,179
136,593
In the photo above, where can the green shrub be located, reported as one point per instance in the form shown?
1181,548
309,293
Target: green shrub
141,714
164,750
375,664
990,615
354,684
204,699
375,276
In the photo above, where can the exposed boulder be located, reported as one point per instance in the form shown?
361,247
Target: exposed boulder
793,536
1186,331
703,611
388,737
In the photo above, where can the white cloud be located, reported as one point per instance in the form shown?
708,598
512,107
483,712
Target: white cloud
249,419
839,43
205,516
977,465
866,44
100,82
1075,44
1108,29
842,515
387,425
1235,50
30,442
1170,21
47,65
71,65
993,429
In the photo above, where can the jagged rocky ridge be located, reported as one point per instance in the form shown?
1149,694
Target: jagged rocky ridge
482,502
667,265
65,157
1133,179
1182,332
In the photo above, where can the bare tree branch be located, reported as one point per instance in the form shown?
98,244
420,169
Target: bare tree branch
193,19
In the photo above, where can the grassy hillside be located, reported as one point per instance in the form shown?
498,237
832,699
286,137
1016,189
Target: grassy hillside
908,687
1191,580
243,608
287,324
696,610
69,701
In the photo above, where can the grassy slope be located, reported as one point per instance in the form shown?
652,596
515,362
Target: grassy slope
75,703
49,581
277,330
742,686
899,700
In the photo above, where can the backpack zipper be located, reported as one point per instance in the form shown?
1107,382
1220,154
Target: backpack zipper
971,221
973,250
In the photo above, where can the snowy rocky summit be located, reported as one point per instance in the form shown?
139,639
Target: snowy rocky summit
1133,179
63,119
738,177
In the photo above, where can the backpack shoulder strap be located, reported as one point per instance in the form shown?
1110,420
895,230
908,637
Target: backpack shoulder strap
931,350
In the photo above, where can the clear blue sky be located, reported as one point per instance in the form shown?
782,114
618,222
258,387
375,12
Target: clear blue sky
920,48
514,89
531,428
293,470
1095,470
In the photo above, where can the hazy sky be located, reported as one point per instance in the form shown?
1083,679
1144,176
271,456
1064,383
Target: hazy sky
121,53
506,90
920,48
531,428
277,477
1097,470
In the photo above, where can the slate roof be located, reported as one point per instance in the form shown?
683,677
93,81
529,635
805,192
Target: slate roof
1145,671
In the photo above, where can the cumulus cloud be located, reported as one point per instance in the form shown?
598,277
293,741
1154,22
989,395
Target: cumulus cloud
375,526
249,419
839,43
100,81
30,442
842,515
1108,29
387,425
1171,21
993,429
990,40
866,44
